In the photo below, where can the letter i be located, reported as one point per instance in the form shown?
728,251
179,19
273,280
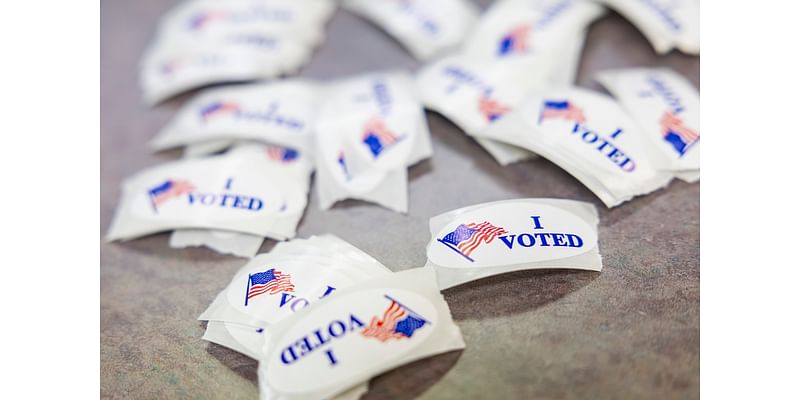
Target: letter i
536,223
228,184
331,357
616,133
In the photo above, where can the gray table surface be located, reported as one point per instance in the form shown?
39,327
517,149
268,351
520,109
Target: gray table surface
631,331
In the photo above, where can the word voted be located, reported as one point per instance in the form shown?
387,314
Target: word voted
605,146
541,239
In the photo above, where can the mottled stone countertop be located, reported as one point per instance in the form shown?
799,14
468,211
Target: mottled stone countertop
632,331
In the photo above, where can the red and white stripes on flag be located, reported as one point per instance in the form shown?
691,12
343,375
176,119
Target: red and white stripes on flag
484,233
281,283
671,123
376,127
383,329
491,109
571,113
177,188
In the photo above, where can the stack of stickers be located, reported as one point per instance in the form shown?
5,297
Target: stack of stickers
321,308
209,41
359,133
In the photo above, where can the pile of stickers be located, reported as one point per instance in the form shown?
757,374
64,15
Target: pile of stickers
504,77
321,308
359,133
511,88
321,316
207,41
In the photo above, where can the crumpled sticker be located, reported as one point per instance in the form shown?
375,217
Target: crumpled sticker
285,162
370,129
475,93
511,235
667,107
281,113
588,135
227,192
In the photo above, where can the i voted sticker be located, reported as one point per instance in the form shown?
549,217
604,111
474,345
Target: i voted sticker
339,339
279,113
505,236
587,134
228,192
511,233
357,334
667,108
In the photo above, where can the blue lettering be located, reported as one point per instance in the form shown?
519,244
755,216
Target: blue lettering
574,240
341,329
606,148
289,351
255,204
225,198
302,301
536,223
661,88
210,197
551,13
331,358
530,240
322,340
285,297
558,239
542,239
238,202
507,241
304,346
355,323
664,14
328,291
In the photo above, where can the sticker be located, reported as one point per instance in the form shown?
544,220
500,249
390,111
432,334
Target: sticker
588,135
281,113
667,108
402,317
504,236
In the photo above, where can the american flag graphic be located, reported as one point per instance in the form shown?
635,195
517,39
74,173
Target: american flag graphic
398,322
466,238
491,109
377,137
515,41
680,137
554,109
282,154
201,20
218,108
170,189
270,281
